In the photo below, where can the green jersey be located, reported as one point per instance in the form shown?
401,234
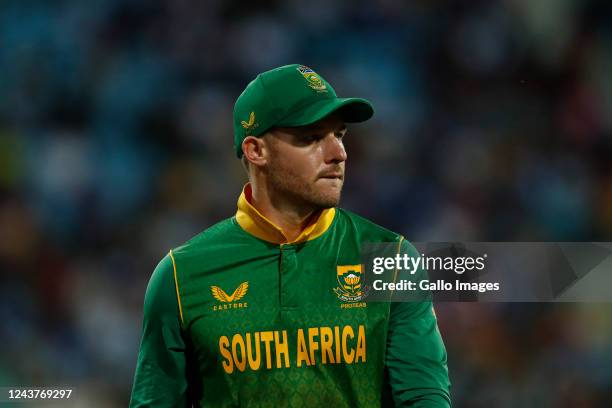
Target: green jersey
239,316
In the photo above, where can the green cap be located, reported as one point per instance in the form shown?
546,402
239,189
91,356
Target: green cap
290,96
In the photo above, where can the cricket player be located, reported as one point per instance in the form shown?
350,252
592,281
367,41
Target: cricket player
266,308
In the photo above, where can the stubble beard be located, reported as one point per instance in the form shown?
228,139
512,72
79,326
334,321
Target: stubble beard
311,194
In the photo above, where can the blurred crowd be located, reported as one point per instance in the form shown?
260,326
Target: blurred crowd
493,123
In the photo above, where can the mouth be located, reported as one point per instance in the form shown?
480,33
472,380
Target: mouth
333,176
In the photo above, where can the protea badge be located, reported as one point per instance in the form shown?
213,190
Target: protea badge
351,287
314,81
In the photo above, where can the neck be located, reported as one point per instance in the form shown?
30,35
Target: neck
289,216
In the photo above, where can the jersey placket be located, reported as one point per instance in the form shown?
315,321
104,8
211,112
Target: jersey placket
289,277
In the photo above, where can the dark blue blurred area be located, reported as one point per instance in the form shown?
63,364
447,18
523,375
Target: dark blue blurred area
493,123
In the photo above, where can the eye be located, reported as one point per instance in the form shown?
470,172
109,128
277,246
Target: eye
312,138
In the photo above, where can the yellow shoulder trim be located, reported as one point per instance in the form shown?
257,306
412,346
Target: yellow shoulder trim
399,248
178,296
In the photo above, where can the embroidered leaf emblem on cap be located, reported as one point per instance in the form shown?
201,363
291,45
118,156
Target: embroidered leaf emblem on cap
251,123
314,81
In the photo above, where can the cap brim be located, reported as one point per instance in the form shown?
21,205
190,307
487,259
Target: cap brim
351,110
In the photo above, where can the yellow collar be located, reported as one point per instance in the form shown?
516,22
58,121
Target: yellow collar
255,223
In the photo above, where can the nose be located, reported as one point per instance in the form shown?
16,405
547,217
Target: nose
334,149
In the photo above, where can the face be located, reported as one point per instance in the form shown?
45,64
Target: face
306,164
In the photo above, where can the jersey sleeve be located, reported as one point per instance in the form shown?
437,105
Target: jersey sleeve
161,371
416,356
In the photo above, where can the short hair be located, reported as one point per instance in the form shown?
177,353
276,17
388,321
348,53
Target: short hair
245,164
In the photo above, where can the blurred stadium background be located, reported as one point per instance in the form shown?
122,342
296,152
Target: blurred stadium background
493,123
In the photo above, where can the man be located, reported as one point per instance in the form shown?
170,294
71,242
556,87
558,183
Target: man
262,308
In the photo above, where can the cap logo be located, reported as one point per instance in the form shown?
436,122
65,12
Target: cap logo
314,81
250,125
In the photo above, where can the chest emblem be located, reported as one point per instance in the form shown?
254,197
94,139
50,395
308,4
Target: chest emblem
229,301
351,287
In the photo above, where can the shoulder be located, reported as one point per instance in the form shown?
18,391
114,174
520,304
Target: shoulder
219,234
160,296
366,229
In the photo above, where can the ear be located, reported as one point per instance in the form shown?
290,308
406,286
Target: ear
254,149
